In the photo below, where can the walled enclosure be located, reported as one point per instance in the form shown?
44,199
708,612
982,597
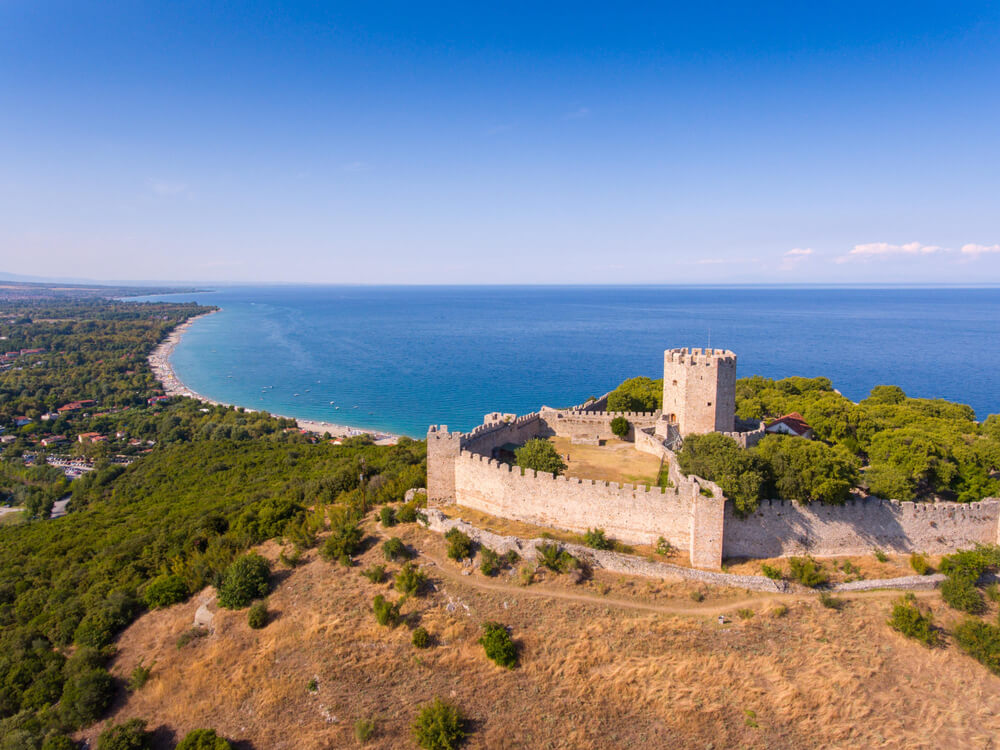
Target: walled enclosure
693,514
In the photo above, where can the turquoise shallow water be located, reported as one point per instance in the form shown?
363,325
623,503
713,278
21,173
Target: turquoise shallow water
401,358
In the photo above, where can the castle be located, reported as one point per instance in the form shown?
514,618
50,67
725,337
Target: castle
699,396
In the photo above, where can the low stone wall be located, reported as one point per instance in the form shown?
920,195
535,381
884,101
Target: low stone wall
615,562
572,423
781,528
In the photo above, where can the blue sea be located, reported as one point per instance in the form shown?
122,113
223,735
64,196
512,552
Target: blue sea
398,359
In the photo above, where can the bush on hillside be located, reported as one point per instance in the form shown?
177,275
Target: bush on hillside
499,646
58,742
344,540
131,735
981,641
459,544
387,516
394,550
267,519
919,564
540,455
961,593
421,638
597,539
257,615
620,427
410,580
807,571
165,590
246,579
99,627
204,739
85,697
439,726
374,573
386,612
909,620
771,572
718,458
555,558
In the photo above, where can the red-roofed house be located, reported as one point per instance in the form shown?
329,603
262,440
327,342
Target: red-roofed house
90,437
790,424
53,440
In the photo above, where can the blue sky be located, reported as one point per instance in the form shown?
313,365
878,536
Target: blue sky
515,143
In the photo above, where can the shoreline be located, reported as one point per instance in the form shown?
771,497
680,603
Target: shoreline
163,371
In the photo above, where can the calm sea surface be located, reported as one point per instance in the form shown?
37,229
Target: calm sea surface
402,358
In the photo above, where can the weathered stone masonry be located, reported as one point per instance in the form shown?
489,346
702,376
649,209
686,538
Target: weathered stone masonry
693,514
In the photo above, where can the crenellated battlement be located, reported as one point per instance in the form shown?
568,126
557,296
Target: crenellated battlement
695,356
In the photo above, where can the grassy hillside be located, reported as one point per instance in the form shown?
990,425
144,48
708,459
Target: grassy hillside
612,662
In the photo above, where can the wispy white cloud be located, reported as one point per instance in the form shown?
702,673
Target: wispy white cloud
167,187
974,251
793,257
577,114
356,166
887,250
710,261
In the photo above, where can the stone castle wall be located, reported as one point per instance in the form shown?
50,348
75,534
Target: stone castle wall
573,423
635,514
785,528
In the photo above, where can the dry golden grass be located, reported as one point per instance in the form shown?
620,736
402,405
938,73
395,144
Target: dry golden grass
615,461
614,662
839,569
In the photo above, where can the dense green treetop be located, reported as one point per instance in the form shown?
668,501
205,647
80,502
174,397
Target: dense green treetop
637,394
540,455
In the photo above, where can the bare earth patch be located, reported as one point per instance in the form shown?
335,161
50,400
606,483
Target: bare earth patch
615,461
613,662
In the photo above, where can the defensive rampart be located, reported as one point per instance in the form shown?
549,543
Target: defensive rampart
858,527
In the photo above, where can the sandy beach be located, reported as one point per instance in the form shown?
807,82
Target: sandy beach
159,362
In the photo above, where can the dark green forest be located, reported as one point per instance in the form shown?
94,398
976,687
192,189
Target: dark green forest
208,483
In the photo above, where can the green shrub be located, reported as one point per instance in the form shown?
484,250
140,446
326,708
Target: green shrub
881,556
993,592
246,579
421,638
620,427
459,544
539,454
344,541
131,735
555,558
58,742
364,730
313,685
526,575
697,595
165,590
981,641
439,726
394,549
637,394
410,580
807,571
597,539
204,739
257,615
100,626
961,593
140,676
744,613
386,612
665,548
489,563
771,572
498,645
907,618
191,634
779,610
374,573
919,564
830,601
387,516
85,697
407,513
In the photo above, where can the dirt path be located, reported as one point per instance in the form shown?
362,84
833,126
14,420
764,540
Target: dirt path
709,609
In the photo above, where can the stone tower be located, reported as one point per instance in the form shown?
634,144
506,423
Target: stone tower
699,390
443,448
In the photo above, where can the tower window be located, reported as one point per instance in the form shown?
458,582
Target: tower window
675,382
709,403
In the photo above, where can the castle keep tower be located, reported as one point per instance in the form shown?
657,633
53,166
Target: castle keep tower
699,390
